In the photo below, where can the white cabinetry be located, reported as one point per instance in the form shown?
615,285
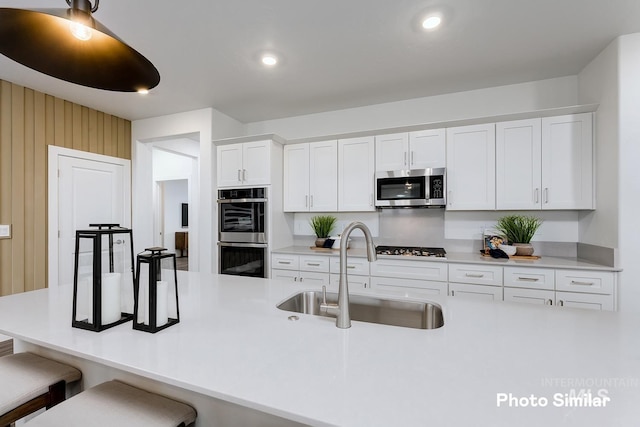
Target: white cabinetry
567,162
421,277
545,163
244,164
529,285
313,269
475,281
518,164
311,177
357,273
355,174
413,150
471,167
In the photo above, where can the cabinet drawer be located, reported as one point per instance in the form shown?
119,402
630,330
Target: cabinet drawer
314,263
529,296
285,262
355,266
532,278
588,301
476,274
422,270
408,286
481,292
591,282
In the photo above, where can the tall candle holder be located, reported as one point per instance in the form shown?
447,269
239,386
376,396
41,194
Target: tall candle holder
103,277
156,291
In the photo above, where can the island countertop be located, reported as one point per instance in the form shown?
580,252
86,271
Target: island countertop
233,344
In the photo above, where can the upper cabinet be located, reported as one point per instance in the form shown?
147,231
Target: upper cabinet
413,150
311,177
244,164
356,158
471,167
567,162
545,163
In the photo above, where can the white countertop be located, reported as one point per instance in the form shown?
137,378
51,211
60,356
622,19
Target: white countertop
459,258
234,344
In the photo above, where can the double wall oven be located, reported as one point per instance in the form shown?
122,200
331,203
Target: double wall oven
242,231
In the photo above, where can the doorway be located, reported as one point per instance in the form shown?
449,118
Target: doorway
173,219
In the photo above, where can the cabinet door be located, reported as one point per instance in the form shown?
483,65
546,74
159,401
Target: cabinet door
286,275
285,262
296,178
392,152
585,281
256,159
317,263
471,167
529,296
427,149
487,293
406,269
355,282
355,174
588,301
355,266
567,162
312,278
229,162
323,176
518,164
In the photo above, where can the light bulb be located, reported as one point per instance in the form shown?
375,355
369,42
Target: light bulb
431,22
143,91
269,60
80,31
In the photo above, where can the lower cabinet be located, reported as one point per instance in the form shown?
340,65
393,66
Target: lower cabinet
410,277
589,301
311,269
391,284
530,296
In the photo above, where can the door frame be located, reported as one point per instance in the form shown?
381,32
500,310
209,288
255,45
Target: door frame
54,154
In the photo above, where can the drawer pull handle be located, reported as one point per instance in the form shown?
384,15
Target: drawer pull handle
561,303
313,264
529,279
549,302
474,275
351,266
453,293
575,282
284,262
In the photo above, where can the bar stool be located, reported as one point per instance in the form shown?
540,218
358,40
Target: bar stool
115,403
30,383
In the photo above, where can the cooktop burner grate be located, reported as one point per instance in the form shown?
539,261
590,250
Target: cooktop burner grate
411,251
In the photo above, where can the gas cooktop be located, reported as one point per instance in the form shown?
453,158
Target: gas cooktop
411,251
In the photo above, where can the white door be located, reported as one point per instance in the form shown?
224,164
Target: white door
229,161
89,190
256,161
392,152
518,164
296,178
356,165
471,167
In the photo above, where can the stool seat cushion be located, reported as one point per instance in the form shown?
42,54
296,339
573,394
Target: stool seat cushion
114,403
25,376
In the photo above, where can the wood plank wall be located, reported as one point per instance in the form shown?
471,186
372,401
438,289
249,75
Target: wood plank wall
29,122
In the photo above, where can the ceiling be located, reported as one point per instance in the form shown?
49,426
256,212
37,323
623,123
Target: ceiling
335,54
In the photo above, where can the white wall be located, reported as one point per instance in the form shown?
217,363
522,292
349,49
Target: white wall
169,166
559,92
175,194
598,83
629,172
199,122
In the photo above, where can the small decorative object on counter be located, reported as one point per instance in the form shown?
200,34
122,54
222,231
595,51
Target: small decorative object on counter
103,277
156,291
322,225
519,230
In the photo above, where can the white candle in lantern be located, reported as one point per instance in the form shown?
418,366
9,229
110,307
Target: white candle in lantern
111,298
162,301
84,299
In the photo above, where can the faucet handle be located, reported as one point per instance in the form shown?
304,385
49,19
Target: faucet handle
324,295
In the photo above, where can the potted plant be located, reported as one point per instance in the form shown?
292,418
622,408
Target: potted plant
322,225
519,230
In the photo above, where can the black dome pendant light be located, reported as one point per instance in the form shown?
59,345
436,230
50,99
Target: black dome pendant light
71,45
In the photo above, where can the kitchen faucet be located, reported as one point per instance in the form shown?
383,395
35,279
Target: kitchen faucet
341,310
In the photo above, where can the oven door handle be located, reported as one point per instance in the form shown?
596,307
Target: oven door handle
242,200
243,245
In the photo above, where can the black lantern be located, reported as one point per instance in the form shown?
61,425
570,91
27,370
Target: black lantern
156,291
103,277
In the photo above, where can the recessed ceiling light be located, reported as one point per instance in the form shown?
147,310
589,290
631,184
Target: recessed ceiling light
269,60
431,22
143,91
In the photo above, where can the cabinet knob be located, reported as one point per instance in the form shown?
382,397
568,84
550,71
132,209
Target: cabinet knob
561,303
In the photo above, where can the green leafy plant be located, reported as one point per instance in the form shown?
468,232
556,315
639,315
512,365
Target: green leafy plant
323,224
518,228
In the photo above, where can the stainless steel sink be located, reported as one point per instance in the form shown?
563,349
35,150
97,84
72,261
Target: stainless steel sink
408,314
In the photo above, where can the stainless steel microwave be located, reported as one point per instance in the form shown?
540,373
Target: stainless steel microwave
411,188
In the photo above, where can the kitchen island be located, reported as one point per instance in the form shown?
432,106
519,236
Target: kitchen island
241,361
